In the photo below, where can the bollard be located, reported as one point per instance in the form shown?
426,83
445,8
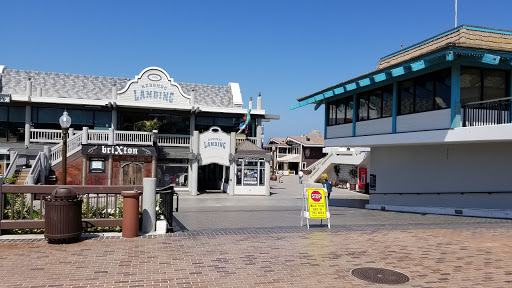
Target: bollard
149,205
130,213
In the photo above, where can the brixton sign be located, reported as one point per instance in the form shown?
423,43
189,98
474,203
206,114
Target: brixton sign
117,150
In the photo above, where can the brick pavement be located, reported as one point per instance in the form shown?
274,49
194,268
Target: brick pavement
256,243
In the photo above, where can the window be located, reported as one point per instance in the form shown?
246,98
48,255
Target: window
425,93
12,124
250,172
477,84
376,103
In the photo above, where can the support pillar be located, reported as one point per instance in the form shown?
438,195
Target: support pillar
153,166
455,91
194,164
258,132
28,120
267,178
84,169
232,169
148,205
110,169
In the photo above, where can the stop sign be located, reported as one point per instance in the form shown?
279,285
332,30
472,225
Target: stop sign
316,196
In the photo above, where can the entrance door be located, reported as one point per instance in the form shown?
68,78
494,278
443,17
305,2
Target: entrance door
131,173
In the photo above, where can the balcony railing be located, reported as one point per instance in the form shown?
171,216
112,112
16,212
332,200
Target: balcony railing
484,113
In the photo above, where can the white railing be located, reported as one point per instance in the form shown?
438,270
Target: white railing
12,165
316,164
39,170
240,140
45,135
133,137
74,144
98,136
173,140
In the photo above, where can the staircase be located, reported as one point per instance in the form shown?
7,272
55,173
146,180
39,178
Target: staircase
22,177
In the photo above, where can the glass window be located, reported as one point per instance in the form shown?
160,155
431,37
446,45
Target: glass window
407,97
340,114
424,95
362,112
172,174
332,114
350,110
387,102
80,118
17,114
3,113
375,105
470,85
443,90
102,120
494,84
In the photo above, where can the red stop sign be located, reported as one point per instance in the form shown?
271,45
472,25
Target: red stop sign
316,196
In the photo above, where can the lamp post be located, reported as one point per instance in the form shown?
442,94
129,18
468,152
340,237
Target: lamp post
65,122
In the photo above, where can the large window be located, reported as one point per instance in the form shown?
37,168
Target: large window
12,124
250,172
425,93
48,118
170,123
341,111
375,104
471,88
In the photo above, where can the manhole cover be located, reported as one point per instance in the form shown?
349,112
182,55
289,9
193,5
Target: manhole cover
380,275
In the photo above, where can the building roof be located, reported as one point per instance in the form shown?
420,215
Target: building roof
308,141
248,148
62,85
464,40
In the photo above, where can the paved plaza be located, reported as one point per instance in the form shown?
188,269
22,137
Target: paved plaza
226,241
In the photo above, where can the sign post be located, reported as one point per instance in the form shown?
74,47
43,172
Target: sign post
315,205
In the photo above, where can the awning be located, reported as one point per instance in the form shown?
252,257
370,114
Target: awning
4,151
289,158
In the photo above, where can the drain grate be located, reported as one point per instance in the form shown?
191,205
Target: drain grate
380,275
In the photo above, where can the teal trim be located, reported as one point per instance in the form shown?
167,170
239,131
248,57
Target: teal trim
364,82
395,107
418,65
491,59
482,29
319,97
354,115
310,100
318,105
380,77
328,94
397,71
326,120
455,91
449,56
294,106
339,90
351,86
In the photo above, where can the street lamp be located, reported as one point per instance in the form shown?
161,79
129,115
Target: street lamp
65,122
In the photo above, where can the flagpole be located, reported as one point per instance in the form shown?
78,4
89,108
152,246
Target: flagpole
455,13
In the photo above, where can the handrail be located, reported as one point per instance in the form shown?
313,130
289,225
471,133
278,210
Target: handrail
37,166
490,112
98,136
12,165
74,144
45,135
133,137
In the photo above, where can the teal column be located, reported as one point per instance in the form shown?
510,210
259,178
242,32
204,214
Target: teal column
455,91
354,115
326,119
395,106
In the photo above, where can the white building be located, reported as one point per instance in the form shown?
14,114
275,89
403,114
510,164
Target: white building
437,116
194,147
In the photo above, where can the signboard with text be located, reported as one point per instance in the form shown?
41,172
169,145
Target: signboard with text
214,147
153,85
317,205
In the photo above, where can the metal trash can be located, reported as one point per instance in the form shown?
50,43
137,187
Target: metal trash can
130,213
167,204
63,216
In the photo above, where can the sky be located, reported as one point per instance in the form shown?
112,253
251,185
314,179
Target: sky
284,49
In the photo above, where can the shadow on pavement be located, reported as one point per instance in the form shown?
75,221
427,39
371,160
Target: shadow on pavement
349,203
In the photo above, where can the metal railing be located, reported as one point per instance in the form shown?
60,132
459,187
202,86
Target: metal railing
484,113
23,206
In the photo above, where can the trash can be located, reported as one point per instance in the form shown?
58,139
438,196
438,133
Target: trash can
131,213
63,216
167,204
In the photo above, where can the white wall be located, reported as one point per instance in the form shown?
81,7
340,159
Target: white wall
250,190
337,131
377,126
440,119
482,167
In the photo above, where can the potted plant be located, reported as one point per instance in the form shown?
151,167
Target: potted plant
273,176
353,176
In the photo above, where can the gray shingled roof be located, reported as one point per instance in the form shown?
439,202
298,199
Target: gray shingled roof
74,86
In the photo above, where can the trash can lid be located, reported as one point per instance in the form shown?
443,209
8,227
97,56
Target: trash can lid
64,193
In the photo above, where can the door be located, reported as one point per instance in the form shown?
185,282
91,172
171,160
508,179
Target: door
131,173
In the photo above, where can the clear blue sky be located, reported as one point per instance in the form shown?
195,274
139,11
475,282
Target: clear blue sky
283,49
